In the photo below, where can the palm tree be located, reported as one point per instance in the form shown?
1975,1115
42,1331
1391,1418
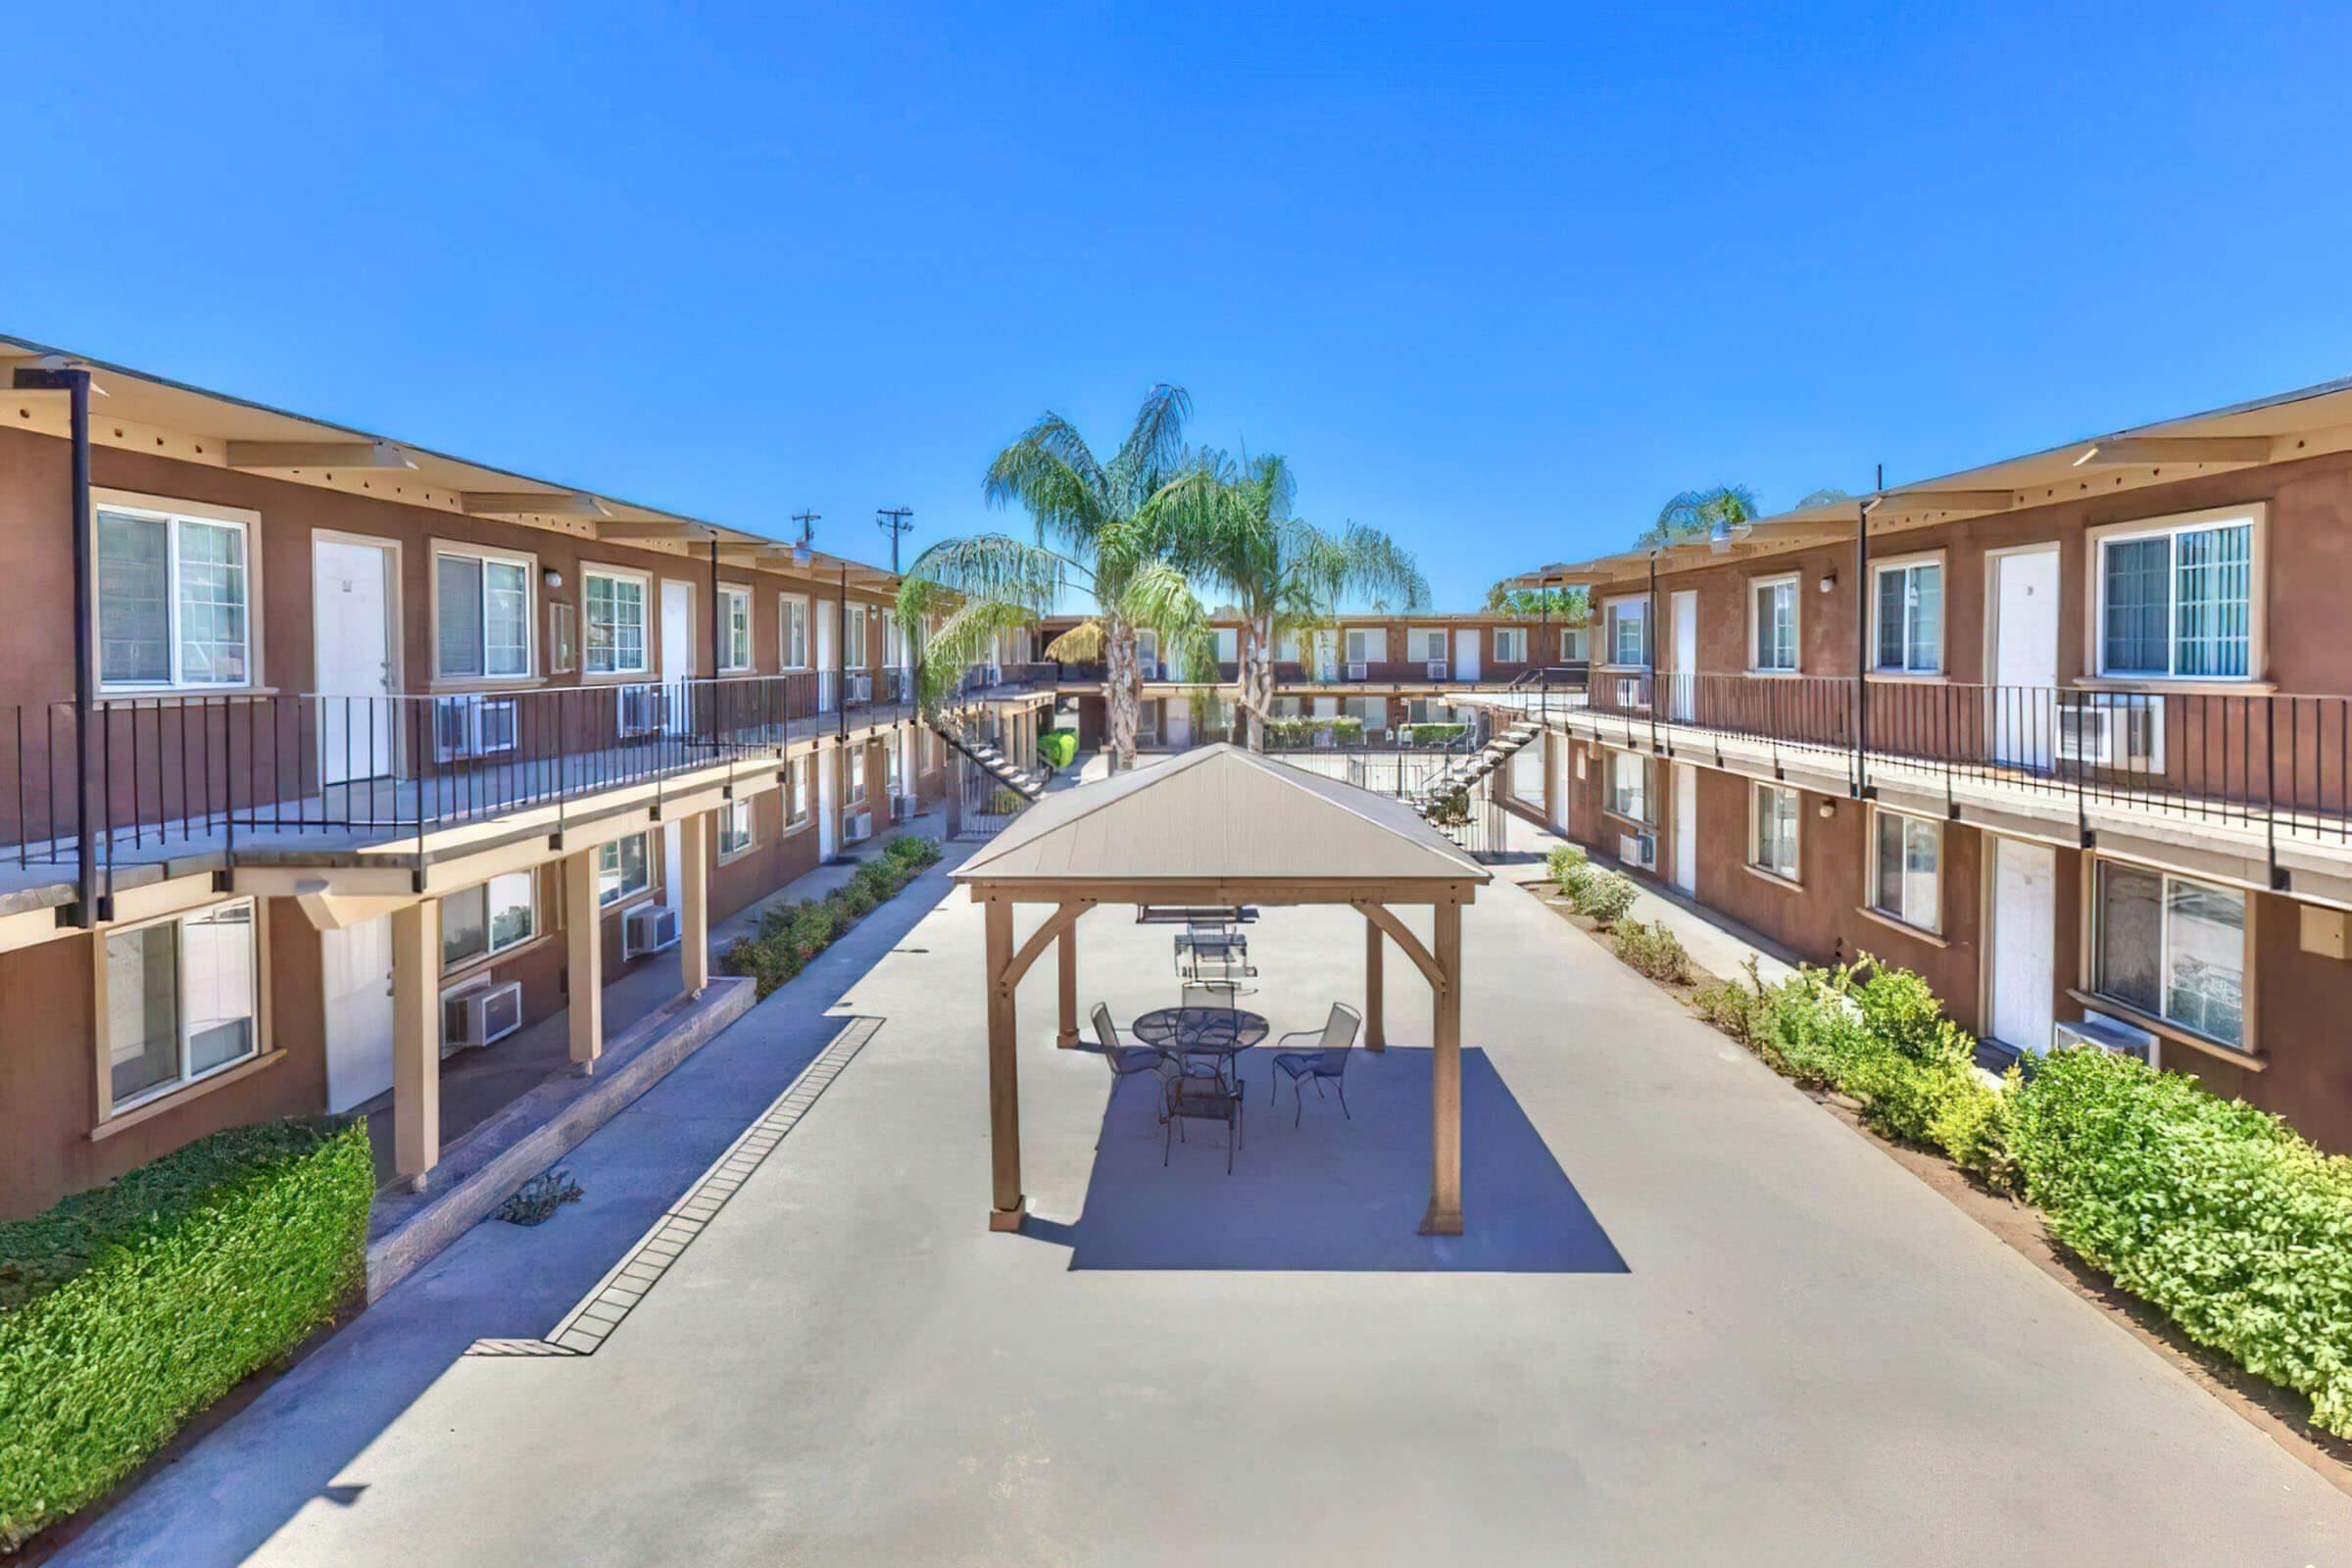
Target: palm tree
1233,527
1099,533
1693,514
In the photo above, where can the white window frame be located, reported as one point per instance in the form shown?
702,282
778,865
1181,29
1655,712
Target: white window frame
492,947
1616,802
735,820
793,614
1575,645
853,781
2255,518
855,652
1229,645
623,893
182,1078
1928,560
1757,589
1615,612
800,792
2242,1046
529,565
735,655
1288,649
1425,645
174,514
644,624
1902,913
1758,795
1364,645
1512,637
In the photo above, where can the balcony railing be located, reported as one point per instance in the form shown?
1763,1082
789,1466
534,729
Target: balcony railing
2276,761
185,774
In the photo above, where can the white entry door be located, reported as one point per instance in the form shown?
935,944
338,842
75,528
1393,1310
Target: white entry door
1465,653
1684,672
2024,936
828,803
1558,746
1180,724
355,978
2021,707
678,653
1686,827
351,602
828,663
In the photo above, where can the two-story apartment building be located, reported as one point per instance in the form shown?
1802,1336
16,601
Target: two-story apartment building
370,753
1385,671
2066,733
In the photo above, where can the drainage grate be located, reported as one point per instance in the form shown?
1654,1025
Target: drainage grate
603,1309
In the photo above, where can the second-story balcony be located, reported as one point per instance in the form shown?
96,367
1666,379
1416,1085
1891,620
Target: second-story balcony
2260,776
174,783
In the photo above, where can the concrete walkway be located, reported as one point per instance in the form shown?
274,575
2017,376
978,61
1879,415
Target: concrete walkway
1696,1320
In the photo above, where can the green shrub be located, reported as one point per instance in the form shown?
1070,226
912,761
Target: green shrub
1059,746
2209,1208
1435,734
128,1308
791,934
1731,1007
1563,861
1653,950
1602,897
1301,730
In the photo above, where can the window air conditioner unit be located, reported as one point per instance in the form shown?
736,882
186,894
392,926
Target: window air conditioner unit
1437,669
648,928
1638,849
640,707
472,726
1358,669
2097,1030
2112,729
479,1016
858,829
1628,692
905,807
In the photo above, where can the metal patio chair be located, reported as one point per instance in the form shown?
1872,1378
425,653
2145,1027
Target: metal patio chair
1336,1043
1128,1061
1215,994
1193,1099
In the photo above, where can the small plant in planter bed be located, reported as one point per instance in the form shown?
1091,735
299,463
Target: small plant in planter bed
791,935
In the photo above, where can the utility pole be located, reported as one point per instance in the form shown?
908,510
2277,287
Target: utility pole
808,522
893,520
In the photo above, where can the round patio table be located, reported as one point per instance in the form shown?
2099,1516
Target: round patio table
1220,1032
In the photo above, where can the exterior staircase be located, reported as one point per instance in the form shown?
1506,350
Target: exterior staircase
986,756
1473,767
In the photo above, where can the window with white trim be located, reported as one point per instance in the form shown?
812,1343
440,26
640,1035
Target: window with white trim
2172,949
737,831
792,623
894,767
2177,600
1510,645
173,593
181,1001
800,788
1629,785
857,789
1772,625
1574,640
1229,645
853,638
1425,644
1286,648
735,629
1627,622
1906,869
482,614
1772,831
624,867
1366,644
612,603
489,918
1371,712
1907,616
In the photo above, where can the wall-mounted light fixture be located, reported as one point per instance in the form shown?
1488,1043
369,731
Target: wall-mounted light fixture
1829,580
1828,807
552,577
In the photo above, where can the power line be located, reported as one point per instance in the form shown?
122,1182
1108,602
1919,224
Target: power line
893,520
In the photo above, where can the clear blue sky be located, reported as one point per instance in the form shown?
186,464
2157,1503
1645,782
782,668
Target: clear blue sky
1498,280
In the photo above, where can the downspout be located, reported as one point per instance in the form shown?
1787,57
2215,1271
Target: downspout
74,382
841,653
1649,648
1861,647
718,616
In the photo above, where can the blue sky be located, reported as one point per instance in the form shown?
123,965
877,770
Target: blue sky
1496,279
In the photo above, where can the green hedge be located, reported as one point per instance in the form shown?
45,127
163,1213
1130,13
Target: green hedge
126,1309
1059,746
789,935
1435,734
2207,1208
1345,729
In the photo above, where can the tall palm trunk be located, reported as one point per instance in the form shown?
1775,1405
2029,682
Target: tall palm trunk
1258,678
1123,689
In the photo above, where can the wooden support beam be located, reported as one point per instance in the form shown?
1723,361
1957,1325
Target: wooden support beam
1005,1201
1386,919
654,528
2132,451
317,455
416,1041
694,902
584,959
1376,1028
1914,500
1068,1035
530,504
1059,921
1443,1217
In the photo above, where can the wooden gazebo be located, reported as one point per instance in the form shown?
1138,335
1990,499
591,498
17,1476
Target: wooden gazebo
1219,825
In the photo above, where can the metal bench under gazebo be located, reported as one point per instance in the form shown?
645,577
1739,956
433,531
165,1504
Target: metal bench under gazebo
1223,826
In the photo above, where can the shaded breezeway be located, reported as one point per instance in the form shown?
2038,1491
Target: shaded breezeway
1801,1356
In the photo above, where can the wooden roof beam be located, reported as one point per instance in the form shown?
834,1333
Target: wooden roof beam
655,528
319,454
531,504
1912,501
2117,452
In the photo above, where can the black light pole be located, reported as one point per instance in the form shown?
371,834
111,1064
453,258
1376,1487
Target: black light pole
842,652
74,382
893,520
1649,647
717,663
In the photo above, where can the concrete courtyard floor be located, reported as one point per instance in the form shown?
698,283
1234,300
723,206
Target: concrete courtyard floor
1695,1319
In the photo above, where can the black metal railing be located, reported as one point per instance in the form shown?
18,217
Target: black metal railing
2273,760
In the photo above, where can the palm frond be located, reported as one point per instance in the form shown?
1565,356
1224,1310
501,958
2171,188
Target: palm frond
966,638
1081,644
